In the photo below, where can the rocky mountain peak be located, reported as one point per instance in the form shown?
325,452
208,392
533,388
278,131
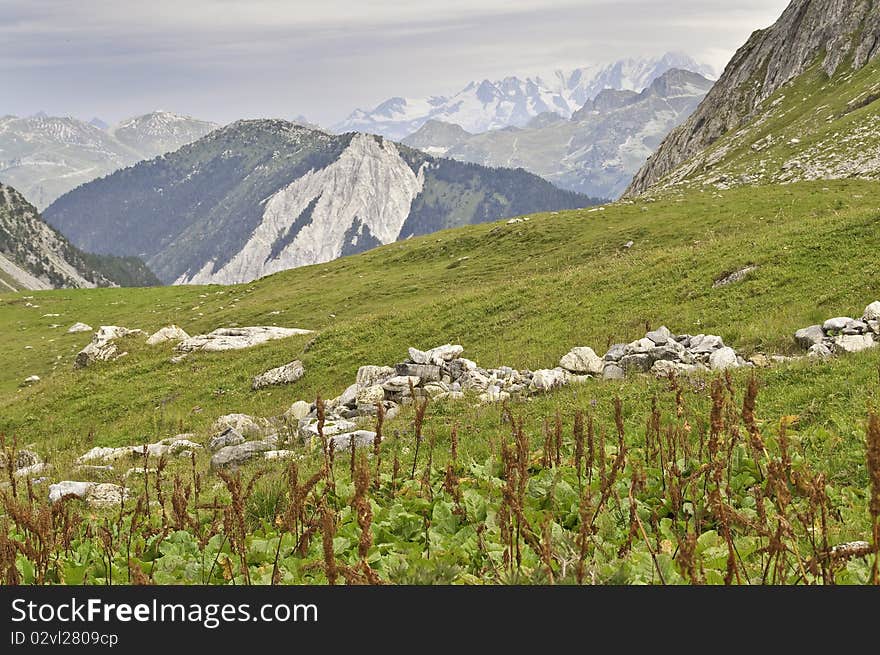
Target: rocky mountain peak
836,32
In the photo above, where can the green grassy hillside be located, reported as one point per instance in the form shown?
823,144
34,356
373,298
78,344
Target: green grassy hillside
512,294
814,127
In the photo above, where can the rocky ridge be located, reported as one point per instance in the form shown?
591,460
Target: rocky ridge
837,33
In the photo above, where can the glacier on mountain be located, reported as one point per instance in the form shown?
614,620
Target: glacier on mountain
514,102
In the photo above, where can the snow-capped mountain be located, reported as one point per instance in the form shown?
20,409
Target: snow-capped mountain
33,256
596,152
258,197
46,156
514,102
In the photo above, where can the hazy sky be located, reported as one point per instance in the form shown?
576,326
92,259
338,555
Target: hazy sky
229,59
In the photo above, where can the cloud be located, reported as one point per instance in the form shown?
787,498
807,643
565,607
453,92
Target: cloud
225,59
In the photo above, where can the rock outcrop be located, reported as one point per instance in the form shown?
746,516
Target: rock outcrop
841,32
287,374
103,347
236,338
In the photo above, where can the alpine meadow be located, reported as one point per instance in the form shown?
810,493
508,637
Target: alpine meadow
619,326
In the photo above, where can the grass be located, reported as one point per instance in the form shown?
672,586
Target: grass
520,295
814,127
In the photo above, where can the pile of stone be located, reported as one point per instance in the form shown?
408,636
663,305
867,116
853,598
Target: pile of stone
27,464
842,334
661,353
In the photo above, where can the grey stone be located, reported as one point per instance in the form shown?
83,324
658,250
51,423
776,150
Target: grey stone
234,456
723,359
68,488
369,376
79,327
837,324
872,312
287,374
616,352
23,459
361,439
229,437
856,327
308,429
401,383
613,372
247,425
660,336
819,351
637,363
705,343
853,343
809,336
102,347
170,333
371,395
548,379
104,495
425,372
236,338
582,361
298,410
349,396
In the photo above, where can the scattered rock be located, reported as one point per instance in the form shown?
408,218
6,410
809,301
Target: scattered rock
872,312
723,359
102,347
733,278
810,336
79,327
360,439
235,456
819,351
613,372
287,374
853,343
246,425
308,428
582,361
68,488
33,379
236,338
229,437
299,410
103,495
170,333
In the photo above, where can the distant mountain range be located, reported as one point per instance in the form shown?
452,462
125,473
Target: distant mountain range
44,157
596,152
34,256
258,197
514,102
